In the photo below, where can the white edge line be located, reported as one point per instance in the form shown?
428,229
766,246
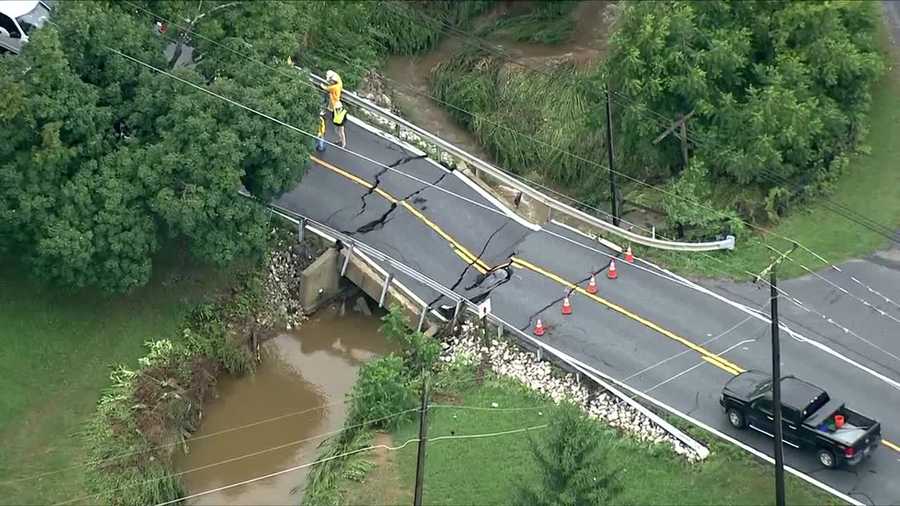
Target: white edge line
609,244
726,437
386,135
496,202
658,403
796,335
464,178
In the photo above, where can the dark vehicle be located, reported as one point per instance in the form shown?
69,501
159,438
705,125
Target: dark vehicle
810,418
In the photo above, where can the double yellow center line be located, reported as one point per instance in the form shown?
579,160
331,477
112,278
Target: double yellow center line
482,267
457,248
707,355
473,260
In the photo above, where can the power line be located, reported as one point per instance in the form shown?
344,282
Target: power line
240,457
831,205
499,125
347,454
233,102
308,134
764,231
114,458
619,173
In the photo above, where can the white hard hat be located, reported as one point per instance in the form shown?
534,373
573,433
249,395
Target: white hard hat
331,75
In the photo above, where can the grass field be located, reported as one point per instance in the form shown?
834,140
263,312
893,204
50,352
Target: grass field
487,471
56,349
871,187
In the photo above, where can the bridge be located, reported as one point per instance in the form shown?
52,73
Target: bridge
674,340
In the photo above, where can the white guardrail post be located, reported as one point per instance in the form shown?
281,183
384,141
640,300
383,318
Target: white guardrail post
550,202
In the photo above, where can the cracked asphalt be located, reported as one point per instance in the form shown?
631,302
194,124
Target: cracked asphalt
644,328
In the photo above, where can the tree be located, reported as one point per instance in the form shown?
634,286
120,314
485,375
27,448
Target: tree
571,464
779,89
104,160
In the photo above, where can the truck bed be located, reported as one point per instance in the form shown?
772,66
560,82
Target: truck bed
854,429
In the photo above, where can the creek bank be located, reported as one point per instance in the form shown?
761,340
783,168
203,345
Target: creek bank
298,384
151,409
489,397
464,357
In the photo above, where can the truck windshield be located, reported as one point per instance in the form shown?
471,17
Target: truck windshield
34,19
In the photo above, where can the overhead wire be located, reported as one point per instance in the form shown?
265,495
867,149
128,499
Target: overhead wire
193,439
240,457
347,454
311,135
499,52
233,102
307,83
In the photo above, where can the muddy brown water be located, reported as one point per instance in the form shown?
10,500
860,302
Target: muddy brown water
408,76
312,367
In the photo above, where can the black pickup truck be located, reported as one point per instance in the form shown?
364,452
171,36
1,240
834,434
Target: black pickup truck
810,418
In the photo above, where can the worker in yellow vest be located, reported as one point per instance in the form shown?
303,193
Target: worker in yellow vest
335,86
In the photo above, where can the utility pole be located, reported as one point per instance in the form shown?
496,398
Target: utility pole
776,374
776,390
613,191
681,125
423,435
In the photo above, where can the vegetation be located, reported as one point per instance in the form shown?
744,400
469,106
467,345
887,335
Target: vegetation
573,468
505,106
383,397
775,116
104,159
646,474
55,360
870,185
148,412
547,22
780,93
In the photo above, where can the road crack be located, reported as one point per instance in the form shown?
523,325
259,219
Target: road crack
378,176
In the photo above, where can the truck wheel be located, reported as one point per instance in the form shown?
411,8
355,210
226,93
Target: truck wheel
736,418
826,458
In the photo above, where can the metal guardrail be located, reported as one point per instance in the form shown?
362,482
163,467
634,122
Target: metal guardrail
535,194
522,339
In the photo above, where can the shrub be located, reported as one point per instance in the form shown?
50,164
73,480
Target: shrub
382,389
420,351
571,463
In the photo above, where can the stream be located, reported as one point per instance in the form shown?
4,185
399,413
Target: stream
408,76
313,366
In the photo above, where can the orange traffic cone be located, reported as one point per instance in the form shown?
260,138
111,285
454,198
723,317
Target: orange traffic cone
629,256
539,328
592,285
567,306
611,272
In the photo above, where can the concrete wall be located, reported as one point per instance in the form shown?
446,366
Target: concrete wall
371,282
320,282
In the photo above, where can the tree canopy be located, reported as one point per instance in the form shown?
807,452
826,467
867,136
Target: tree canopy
104,161
573,471
779,90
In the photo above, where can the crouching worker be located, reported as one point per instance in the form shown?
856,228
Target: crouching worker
320,132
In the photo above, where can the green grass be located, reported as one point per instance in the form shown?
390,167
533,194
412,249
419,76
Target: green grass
487,471
56,349
870,186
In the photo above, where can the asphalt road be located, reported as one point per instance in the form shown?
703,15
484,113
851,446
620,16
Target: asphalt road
645,328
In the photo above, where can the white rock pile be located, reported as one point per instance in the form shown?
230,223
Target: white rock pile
507,360
282,285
